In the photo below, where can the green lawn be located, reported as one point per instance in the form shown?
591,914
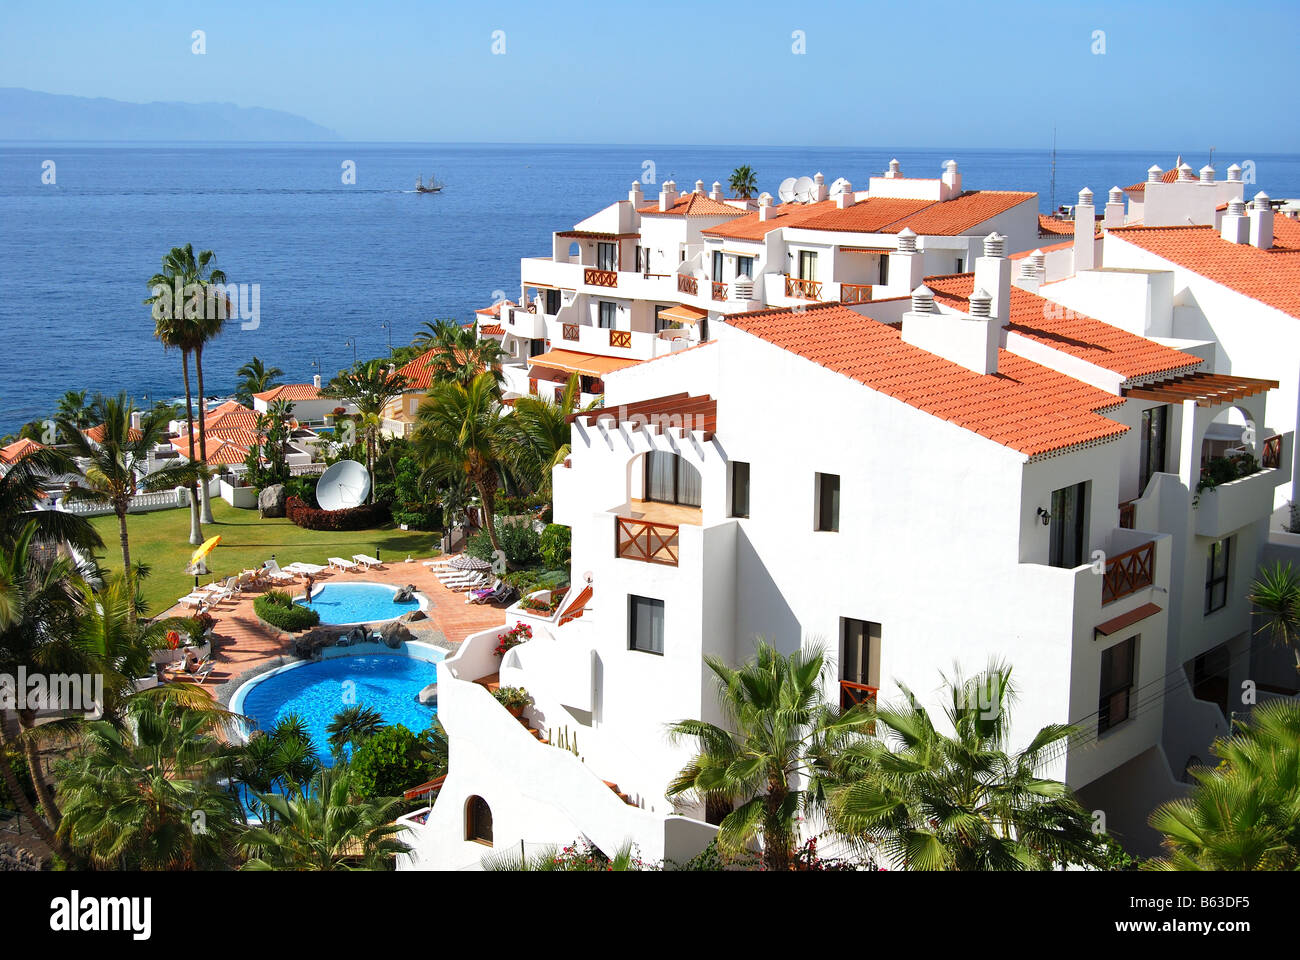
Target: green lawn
161,539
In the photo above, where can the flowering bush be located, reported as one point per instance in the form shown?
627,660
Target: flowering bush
173,639
363,517
582,857
544,606
513,637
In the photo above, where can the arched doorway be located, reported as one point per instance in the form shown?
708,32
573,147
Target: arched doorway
478,821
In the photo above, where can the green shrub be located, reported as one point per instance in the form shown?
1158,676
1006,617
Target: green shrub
18,764
519,542
556,545
304,488
278,609
391,762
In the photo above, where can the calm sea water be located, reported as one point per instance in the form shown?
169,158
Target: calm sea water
367,261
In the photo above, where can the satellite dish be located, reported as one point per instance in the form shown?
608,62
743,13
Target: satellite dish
803,189
839,186
343,485
786,190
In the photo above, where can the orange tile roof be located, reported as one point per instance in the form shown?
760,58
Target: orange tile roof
18,449
495,309
418,373
290,392
1024,406
95,434
571,361
491,330
1270,276
1169,176
872,215
1049,226
228,419
1063,245
1101,344
950,218
750,227
219,450
693,205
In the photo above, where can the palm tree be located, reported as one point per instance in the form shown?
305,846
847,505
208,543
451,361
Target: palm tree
326,829
960,802
21,488
282,760
144,794
1243,814
459,355
114,465
540,435
74,408
460,432
352,726
773,754
255,377
743,181
370,386
1276,599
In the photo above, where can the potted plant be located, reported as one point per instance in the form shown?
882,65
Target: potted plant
514,699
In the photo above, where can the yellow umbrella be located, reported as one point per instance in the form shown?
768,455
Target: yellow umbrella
204,549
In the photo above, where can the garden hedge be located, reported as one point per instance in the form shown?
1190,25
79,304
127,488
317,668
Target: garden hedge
277,609
364,517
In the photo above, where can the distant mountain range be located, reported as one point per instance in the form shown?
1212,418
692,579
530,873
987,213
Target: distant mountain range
32,115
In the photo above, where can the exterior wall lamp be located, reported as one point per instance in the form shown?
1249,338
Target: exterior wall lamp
1044,516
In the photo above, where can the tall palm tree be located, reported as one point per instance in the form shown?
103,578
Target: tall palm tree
459,355
21,488
932,801
144,795
460,432
370,386
282,760
541,434
327,829
1243,814
74,408
773,754
1276,599
352,726
112,468
743,181
255,377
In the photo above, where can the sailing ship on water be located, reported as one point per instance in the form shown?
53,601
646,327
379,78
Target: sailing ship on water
431,186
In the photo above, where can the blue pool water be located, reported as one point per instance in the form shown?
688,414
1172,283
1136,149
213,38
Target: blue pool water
357,603
387,683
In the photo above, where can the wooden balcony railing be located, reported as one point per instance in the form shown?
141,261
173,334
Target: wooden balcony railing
803,289
646,541
1128,572
856,694
855,293
620,338
569,331
687,284
532,386
599,278
1272,458
1127,514
719,290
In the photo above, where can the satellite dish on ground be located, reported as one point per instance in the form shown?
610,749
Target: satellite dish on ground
786,190
343,485
839,186
803,189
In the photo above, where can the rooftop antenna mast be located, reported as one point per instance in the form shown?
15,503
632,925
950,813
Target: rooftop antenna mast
1053,180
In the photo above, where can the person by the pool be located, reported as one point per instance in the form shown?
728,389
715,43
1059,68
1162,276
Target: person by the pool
311,582
191,660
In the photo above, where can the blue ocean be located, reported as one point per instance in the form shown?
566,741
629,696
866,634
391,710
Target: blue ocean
346,269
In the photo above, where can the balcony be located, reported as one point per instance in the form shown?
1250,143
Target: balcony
621,339
1272,453
646,541
569,331
855,293
1231,506
802,289
856,695
687,284
1128,572
593,277
719,290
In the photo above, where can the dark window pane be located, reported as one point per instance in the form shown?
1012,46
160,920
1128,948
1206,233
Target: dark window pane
739,488
1067,535
646,624
828,501
1117,664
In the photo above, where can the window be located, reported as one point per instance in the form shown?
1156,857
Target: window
607,256
745,267
645,625
1154,424
739,488
960,264
828,502
1066,532
884,270
1113,704
670,479
1216,575
660,323
807,265
552,302
717,264
608,314
536,347
478,821
641,267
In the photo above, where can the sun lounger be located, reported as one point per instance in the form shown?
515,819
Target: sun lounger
307,569
196,600
442,563
464,585
203,672
273,571
339,563
366,561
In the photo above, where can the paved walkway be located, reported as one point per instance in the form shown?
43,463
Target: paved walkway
245,643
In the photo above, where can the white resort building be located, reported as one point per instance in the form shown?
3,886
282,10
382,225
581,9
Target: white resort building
987,460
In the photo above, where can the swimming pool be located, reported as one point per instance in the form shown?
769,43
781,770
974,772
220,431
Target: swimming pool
385,682
347,603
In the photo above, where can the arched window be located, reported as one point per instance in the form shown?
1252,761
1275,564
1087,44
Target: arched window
671,479
478,821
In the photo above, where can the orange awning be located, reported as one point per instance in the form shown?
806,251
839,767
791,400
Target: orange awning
683,314
591,364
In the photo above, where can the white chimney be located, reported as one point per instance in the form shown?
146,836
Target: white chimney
845,198
716,192
1085,226
1028,277
315,381
951,180
993,277
1154,173
819,187
895,171
1261,221
1207,174
137,417
981,303
765,206
906,264
966,339
667,195
1234,174
1113,215
1185,173
699,186
634,195
1235,228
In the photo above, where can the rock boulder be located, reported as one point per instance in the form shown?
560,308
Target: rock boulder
270,500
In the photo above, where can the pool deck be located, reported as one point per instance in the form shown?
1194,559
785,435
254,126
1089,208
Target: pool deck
246,645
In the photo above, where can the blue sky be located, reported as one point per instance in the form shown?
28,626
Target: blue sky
907,73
